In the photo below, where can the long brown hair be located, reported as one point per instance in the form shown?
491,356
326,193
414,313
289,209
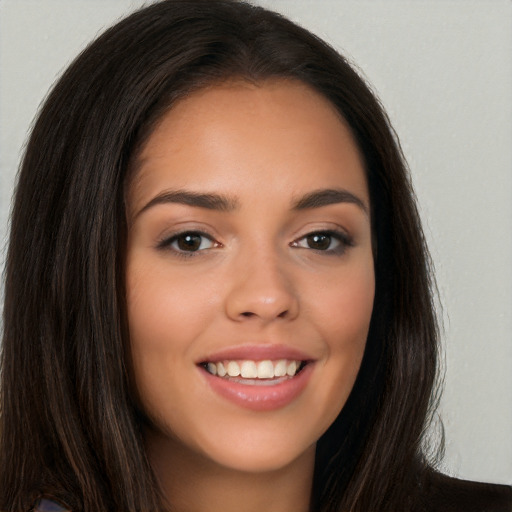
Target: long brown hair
68,424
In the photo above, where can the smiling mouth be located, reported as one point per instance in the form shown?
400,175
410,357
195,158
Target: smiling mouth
251,372
264,383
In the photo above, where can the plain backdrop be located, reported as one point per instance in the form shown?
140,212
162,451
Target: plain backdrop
443,70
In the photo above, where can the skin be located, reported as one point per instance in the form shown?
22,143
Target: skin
256,279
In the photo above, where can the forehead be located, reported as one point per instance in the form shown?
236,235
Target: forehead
277,134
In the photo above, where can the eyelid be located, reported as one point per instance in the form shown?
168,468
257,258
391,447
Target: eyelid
165,242
345,241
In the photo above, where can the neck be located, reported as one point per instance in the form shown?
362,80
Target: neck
191,482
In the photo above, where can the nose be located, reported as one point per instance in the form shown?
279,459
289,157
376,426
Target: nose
261,290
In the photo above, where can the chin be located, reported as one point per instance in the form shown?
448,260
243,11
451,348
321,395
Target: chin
259,459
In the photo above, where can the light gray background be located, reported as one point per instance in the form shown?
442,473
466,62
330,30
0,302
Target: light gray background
443,71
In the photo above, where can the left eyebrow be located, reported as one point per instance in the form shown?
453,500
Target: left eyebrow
198,200
325,197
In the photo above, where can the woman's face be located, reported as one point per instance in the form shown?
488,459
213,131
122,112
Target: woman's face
249,251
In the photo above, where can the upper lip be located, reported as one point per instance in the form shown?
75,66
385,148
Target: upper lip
256,353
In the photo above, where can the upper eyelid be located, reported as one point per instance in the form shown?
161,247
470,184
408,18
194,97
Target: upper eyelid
342,235
166,240
343,243
339,232
174,232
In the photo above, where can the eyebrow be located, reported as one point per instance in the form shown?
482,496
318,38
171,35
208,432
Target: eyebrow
209,201
219,202
325,197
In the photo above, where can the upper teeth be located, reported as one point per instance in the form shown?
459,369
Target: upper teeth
254,369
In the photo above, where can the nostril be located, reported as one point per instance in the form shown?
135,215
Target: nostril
250,314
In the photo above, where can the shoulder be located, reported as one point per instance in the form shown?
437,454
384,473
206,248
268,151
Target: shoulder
48,505
441,493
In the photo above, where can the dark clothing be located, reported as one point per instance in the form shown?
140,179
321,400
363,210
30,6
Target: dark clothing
439,493
442,493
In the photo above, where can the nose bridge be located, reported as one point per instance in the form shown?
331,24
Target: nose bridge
261,286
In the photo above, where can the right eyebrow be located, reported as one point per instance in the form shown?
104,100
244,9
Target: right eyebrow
199,200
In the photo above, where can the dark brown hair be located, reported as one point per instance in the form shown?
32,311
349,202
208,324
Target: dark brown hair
68,424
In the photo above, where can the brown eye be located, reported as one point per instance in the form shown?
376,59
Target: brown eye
188,242
326,242
319,241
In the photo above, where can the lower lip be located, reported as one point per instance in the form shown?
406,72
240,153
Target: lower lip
260,397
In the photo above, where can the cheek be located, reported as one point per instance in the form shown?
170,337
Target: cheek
350,313
166,316
165,305
163,320
343,307
343,320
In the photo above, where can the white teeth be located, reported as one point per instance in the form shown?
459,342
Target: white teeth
291,369
280,368
221,371
266,369
249,370
233,369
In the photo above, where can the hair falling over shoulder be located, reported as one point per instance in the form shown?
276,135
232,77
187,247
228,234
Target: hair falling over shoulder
69,427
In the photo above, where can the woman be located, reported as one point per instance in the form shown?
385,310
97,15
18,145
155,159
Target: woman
227,282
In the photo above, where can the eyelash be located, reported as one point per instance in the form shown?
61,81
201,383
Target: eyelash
167,243
343,240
